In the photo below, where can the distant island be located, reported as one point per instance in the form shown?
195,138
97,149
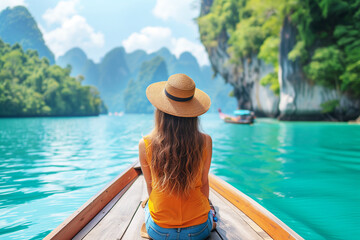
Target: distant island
119,75
30,86
30,83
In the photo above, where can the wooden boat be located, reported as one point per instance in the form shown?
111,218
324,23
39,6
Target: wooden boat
115,213
241,117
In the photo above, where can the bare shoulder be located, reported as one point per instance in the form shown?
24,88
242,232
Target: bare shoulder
142,147
142,151
141,144
208,139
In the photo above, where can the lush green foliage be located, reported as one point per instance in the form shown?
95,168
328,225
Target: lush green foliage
254,28
269,53
326,66
329,106
328,40
224,15
332,31
30,86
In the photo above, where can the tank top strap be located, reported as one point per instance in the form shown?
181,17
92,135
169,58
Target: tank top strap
147,149
147,141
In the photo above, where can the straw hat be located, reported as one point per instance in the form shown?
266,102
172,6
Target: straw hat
178,96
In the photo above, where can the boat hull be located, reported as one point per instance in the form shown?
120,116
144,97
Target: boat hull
78,223
236,120
75,222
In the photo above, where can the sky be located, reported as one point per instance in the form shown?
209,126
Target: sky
98,26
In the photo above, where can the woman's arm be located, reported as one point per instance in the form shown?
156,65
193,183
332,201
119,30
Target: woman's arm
144,165
206,168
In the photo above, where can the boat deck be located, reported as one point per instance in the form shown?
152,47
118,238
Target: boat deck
123,217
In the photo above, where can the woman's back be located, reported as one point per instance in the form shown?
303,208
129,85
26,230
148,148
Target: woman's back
175,159
176,211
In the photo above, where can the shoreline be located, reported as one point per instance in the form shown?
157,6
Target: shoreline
355,121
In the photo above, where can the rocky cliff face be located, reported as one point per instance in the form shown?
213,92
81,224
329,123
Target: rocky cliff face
244,77
299,98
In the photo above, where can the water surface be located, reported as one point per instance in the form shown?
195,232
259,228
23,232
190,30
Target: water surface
307,174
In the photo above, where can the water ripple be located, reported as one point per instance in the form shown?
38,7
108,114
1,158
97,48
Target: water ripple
304,173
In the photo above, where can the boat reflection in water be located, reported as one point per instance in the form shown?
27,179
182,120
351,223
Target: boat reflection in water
242,116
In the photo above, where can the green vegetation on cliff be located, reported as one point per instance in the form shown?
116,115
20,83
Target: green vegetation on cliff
29,86
328,36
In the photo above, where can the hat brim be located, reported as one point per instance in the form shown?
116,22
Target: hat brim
197,106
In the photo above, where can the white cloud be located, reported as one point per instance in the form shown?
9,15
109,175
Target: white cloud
62,11
11,3
182,11
72,29
73,32
181,45
152,39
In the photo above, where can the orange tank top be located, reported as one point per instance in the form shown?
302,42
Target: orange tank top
169,211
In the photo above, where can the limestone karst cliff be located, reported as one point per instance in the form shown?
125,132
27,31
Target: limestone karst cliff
301,99
234,45
244,77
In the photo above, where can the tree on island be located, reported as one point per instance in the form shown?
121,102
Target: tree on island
30,86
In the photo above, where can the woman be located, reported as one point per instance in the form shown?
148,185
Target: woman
175,159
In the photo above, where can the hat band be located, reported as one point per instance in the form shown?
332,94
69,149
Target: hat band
177,98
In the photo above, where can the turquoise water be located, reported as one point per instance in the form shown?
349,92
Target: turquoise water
307,174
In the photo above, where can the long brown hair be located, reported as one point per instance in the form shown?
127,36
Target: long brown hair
177,147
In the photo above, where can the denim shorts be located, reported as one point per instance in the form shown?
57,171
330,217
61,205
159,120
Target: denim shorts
197,232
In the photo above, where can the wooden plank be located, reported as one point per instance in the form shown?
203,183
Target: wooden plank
214,235
231,225
115,223
242,215
265,236
133,231
74,223
101,214
266,220
251,223
144,194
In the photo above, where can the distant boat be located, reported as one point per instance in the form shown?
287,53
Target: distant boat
119,114
242,116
